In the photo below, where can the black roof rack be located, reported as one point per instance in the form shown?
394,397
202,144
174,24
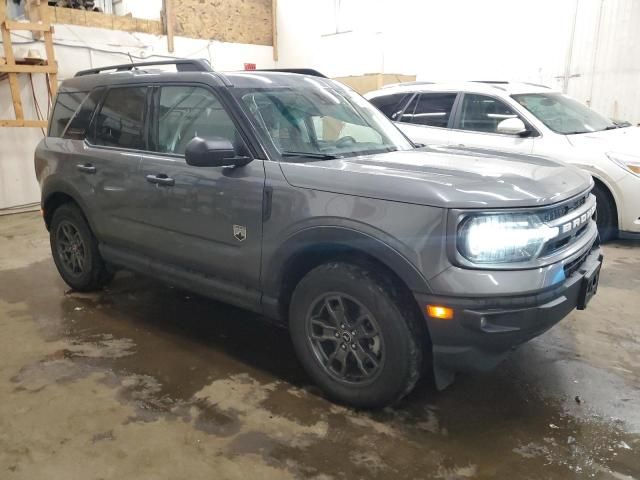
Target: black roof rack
182,65
537,85
499,82
301,71
402,84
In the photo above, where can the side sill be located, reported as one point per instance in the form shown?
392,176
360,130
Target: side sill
208,286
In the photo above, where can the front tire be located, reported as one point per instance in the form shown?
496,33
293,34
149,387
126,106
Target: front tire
75,250
606,216
355,335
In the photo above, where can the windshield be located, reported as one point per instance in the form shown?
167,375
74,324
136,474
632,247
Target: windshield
319,122
563,114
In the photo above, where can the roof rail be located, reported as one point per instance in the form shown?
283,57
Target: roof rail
182,65
301,71
537,85
498,82
402,84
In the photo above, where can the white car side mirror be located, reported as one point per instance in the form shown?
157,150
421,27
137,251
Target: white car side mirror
511,126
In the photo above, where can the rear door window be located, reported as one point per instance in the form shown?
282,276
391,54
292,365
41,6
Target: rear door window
391,105
120,122
66,105
431,109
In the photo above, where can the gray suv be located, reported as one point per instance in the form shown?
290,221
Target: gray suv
288,194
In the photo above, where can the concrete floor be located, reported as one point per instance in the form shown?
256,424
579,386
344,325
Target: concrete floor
143,381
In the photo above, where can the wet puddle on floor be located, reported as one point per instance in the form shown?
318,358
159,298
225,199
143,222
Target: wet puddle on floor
233,380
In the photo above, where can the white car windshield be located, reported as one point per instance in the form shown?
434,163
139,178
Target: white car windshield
320,122
563,114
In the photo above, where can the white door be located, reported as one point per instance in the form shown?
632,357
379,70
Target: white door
426,119
477,121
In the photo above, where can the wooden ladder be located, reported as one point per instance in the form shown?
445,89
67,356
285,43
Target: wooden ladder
12,69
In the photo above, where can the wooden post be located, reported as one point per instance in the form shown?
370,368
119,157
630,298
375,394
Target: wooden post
11,68
13,76
48,46
33,9
274,28
169,23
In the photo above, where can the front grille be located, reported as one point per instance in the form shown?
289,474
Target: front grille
558,212
554,246
564,214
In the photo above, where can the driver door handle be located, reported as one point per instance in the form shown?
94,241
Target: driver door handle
161,179
86,168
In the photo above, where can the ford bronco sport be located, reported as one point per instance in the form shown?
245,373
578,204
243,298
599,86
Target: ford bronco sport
292,196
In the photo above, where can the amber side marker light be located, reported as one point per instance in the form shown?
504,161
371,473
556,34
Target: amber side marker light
442,313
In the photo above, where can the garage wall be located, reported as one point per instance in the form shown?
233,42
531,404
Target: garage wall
435,40
79,48
149,9
604,62
475,40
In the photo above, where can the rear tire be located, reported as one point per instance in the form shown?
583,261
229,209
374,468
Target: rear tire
355,335
606,216
75,250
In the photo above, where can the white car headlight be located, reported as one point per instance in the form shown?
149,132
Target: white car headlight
503,238
626,161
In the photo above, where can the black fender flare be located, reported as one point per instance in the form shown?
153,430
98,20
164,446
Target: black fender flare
339,237
54,185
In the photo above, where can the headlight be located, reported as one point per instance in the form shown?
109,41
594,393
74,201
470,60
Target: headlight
628,162
503,238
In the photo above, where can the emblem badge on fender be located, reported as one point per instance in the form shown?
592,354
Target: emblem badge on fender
240,232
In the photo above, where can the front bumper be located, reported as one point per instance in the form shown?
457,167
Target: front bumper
484,330
629,206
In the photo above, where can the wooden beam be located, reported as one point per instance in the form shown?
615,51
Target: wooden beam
13,68
38,25
51,63
24,123
31,26
274,28
169,21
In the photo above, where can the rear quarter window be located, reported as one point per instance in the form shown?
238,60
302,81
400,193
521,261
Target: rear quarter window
67,104
78,126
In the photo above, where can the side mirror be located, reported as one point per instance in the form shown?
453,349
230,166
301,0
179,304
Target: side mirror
512,126
215,152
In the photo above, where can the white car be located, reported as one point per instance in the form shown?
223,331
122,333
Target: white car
531,119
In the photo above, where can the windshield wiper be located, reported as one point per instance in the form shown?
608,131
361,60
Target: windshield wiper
319,156
612,127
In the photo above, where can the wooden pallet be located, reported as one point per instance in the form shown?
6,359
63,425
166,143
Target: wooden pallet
12,68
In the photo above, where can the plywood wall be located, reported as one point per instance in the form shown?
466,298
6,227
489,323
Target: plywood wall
373,81
125,23
236,21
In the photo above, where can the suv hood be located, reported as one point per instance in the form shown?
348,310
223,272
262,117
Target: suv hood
621,140
444,177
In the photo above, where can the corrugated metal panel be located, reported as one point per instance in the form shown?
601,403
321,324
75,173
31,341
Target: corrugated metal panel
605,62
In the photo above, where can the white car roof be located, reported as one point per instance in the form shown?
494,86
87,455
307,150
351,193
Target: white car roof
495,88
